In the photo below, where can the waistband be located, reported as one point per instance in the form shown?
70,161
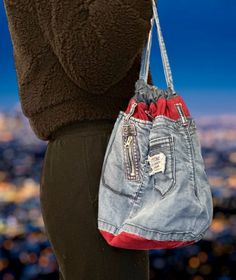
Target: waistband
84,126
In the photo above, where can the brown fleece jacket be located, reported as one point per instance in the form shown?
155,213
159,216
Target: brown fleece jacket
76,59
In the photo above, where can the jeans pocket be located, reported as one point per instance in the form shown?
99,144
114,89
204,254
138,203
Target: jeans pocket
161,163
121,167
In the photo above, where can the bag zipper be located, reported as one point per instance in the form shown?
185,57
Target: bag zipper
131,152
129,144
132,108
182,115
148,113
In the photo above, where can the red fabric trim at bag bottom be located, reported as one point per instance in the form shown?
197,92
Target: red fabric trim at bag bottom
131,241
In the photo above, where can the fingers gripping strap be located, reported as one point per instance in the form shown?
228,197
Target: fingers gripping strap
145,62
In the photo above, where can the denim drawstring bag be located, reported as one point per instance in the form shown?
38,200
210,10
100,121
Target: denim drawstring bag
154,192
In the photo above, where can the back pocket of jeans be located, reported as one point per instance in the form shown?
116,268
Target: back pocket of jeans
161,163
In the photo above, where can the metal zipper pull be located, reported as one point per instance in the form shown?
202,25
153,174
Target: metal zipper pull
131,111
181,113
129,140
147,112
128,145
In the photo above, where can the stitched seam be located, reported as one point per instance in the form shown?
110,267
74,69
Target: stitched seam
193,168
147,229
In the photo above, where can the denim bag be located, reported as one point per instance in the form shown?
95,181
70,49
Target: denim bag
153,191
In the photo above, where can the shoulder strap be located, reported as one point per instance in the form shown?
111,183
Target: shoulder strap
145,60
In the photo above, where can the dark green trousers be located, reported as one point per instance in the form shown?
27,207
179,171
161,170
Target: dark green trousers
69,199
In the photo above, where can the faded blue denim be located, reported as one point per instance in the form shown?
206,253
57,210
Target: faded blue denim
174,205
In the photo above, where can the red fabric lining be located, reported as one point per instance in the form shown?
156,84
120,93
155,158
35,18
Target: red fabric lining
162,106
131,241
139,112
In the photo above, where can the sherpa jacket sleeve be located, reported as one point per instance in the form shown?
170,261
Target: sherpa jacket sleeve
96,41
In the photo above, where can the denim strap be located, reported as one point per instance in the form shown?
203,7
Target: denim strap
145,60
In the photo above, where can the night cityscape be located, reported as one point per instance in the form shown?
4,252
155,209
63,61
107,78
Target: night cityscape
200,38
25,251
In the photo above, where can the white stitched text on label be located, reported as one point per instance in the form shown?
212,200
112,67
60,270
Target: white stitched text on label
157,163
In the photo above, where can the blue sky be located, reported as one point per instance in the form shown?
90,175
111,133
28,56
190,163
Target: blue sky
201,42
